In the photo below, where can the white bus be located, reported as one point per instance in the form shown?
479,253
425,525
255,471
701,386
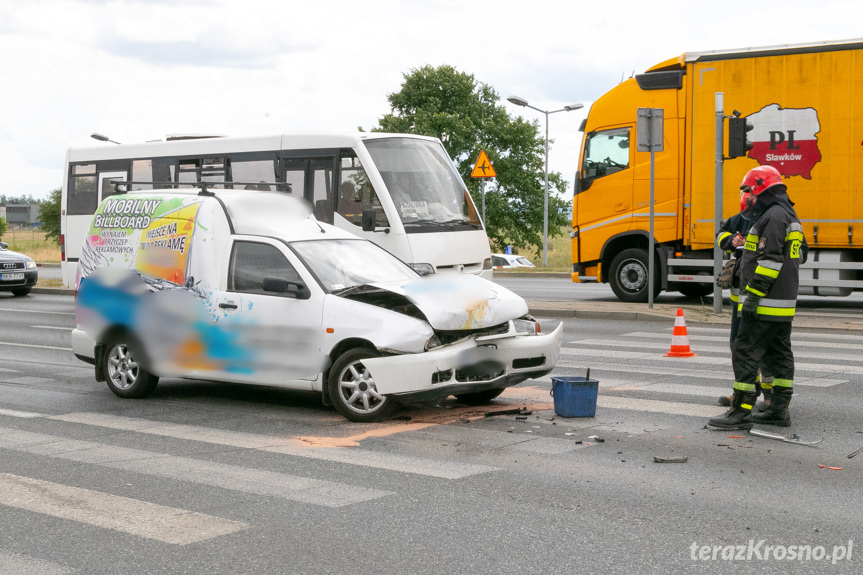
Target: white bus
415,204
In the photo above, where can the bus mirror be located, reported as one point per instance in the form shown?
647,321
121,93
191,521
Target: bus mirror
368,220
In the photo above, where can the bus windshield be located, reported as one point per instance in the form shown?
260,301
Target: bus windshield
424,185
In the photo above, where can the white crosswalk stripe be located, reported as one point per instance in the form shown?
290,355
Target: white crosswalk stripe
280,485
132,516
287,446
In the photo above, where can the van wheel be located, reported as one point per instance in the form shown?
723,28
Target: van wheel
352,388
628,276
124,374
479,397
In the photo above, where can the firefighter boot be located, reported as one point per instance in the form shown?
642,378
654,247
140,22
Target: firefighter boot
739,415
777,413
767,390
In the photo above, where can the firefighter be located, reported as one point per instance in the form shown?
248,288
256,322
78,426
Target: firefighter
769,277
731,238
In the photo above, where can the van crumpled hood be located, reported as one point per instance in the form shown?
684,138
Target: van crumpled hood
460,301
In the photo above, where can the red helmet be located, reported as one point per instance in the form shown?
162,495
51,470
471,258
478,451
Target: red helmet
761,178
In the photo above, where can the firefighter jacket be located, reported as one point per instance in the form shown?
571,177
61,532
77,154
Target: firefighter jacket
729,228
769,268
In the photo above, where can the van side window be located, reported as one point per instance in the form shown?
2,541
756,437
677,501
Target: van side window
251,262
356,193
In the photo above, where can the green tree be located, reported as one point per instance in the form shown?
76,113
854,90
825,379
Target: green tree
466,115
3,226
49,213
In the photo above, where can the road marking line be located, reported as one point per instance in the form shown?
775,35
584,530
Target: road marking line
24,414
15,564
283,445
609,343
37,346
139,518
654,406
18,310
726,375
226,476
795,342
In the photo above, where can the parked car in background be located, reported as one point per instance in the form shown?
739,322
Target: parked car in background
509,261
18,272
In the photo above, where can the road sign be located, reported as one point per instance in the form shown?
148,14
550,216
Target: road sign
483,168
648,130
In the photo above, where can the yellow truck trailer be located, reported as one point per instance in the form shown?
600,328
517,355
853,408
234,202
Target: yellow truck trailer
804,103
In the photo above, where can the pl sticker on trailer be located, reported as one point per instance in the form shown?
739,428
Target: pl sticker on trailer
786,138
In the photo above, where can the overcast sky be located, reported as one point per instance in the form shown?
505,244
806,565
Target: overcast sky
138,70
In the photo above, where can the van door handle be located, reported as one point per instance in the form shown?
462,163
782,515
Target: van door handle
228,305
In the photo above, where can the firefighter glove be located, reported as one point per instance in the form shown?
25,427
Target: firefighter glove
750,307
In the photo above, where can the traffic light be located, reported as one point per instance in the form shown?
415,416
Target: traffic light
738,145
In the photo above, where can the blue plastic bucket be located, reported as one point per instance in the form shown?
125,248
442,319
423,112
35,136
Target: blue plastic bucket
574,396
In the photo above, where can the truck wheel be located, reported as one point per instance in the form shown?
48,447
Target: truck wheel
123,373
352,388
479,397
628,276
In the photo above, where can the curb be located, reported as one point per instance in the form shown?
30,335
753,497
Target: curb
53,291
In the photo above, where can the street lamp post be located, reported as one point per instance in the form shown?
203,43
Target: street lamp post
522,102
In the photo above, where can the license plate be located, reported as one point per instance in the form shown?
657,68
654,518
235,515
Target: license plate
10,277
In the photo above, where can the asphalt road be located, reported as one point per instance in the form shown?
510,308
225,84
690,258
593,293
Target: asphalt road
216,478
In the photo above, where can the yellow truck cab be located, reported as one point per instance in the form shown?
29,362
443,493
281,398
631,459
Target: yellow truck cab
803,104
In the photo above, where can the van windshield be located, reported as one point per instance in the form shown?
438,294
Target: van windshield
342,264
424,185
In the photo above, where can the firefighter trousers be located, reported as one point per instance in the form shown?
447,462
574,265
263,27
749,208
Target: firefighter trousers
762,343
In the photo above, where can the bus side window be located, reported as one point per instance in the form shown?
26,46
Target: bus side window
356,193
153,170
82,191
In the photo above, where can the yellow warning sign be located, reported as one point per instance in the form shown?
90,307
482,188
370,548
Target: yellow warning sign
483,168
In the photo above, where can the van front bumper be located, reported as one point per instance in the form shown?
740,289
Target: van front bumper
505,361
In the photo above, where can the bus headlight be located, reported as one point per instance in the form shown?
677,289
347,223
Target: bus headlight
423,269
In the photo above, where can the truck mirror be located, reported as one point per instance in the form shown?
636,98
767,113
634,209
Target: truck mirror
368,220
285,287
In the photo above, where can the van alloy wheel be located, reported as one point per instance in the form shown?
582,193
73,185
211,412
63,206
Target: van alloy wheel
353,390
123,371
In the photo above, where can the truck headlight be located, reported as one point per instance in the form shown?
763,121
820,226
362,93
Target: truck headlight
423,269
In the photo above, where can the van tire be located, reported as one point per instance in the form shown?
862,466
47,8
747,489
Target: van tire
479,397
628,276
123,372
352,388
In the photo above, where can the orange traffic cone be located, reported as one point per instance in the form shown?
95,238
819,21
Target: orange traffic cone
679,339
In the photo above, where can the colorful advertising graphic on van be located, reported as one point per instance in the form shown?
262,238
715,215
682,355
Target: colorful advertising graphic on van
151,235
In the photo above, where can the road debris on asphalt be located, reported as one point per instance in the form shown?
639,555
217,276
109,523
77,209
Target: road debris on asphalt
658,459
793,438
597,438
515,411
853,453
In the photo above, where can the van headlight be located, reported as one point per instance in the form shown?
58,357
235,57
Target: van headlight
526,326
423,269
433,342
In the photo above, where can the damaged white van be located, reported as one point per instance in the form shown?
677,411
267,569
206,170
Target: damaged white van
247,287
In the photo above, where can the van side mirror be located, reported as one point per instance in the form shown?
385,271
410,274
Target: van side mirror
368,220
288,288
